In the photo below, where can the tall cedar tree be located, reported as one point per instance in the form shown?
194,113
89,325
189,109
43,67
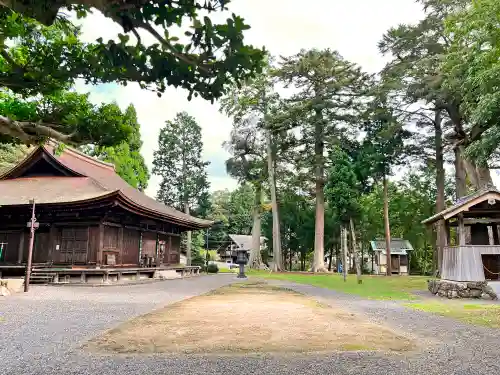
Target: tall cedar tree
37,41
252,103
179,163
327,99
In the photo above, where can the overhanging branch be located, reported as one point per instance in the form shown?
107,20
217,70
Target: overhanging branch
29,131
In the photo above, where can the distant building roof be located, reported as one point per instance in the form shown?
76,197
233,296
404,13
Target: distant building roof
244,241
398,246
464,203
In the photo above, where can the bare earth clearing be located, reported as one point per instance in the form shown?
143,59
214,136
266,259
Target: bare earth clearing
245,318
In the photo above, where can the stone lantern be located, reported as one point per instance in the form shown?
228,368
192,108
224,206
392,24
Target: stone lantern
241,259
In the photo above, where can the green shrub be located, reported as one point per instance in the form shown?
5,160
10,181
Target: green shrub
212,268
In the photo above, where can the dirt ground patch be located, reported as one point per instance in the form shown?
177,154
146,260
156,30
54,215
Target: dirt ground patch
245,318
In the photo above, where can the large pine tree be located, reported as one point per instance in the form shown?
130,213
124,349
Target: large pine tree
327,98
179,163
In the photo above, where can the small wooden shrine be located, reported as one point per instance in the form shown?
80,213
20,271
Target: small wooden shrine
472,249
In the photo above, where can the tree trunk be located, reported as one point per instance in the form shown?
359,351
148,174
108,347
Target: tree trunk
440,181
484,176
277,264
331,259
188,239
461,187
343,234
319,229
387,228
355,251
255,260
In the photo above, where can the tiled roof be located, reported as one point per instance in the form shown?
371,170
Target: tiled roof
398,245
48,190
461,202
102,175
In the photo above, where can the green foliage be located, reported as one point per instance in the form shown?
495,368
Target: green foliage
11,154
213,56
126,156
178,161
342,189
472,68
65,115
384,144
234,212
212,268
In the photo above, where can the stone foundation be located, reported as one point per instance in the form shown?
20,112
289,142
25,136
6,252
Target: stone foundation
456,289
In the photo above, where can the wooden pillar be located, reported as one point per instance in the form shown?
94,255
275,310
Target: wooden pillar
101,244
461,230
169,249
491,238
448,234
496,238
52,242
120,246
20,249
157,250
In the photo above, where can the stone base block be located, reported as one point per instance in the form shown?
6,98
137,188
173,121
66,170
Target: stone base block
458,289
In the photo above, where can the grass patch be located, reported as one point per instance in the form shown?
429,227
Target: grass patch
373,287
476,314
227,270
249,317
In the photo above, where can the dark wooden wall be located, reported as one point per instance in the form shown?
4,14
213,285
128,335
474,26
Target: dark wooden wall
11,249
130,251
80,244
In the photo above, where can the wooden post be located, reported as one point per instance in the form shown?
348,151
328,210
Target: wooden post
344,252
52,240
20,249
157,250
101,244
461,230
30,249
120,245
448,234
387,228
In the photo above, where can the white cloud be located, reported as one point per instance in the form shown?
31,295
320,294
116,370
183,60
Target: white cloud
283,27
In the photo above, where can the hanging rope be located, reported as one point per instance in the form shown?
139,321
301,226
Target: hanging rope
493,273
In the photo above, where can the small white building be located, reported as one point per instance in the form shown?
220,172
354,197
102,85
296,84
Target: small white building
234,242
399,256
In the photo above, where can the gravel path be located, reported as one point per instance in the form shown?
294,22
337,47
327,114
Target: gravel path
40,334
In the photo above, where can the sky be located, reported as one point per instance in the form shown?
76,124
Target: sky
351,27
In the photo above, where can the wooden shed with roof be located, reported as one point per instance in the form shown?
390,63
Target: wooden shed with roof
88,216
234,242
472,248
400,253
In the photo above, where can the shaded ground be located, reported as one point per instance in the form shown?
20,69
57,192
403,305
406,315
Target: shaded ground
249,317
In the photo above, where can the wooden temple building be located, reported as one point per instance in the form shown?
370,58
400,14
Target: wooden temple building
88,218
472,248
